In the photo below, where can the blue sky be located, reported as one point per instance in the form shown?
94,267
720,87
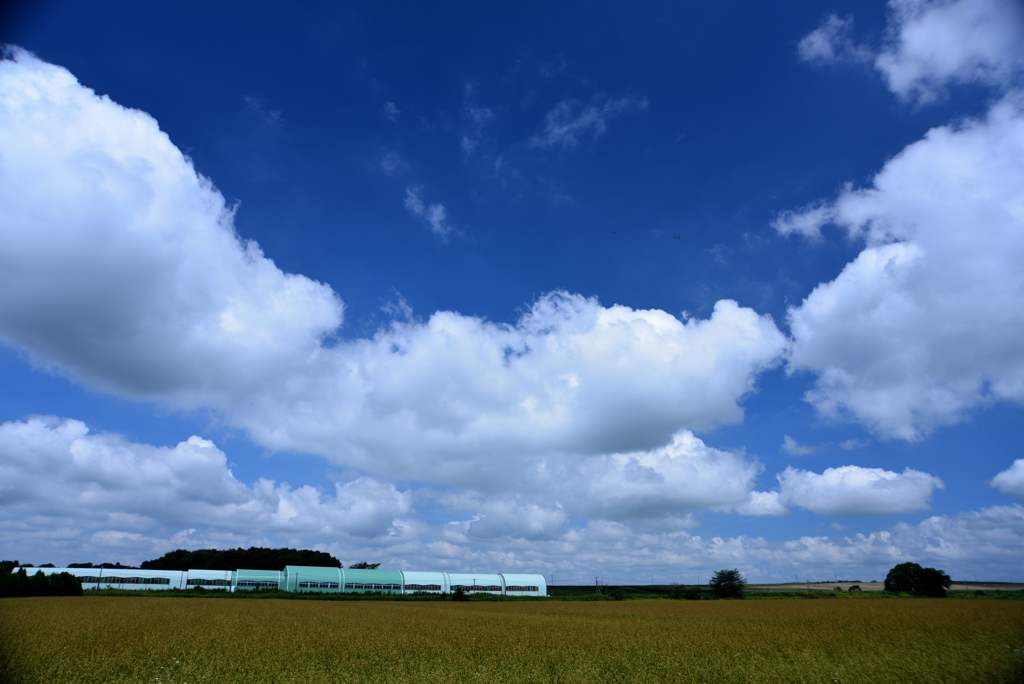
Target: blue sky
592,289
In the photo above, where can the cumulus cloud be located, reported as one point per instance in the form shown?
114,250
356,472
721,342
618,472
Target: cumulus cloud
57,475
122,269
852,490
757,504
67,495
434,214
933,43
571,121
659,485
1011,480
925,323
831,42
121,262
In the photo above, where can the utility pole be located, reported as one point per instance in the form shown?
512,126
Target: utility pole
597,586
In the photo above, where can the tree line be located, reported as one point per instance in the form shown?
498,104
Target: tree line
40,584
253,558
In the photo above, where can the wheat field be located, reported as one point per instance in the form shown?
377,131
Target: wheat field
165,640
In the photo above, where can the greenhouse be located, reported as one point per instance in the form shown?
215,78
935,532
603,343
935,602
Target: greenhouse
301,578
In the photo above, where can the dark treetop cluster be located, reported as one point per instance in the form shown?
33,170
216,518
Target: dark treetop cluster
253,558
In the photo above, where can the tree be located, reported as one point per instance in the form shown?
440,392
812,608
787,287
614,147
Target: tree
912,578
728,584
932,582
363,565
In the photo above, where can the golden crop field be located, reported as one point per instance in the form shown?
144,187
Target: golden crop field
195,641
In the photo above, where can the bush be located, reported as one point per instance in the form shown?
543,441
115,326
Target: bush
854,587
837,588
728,584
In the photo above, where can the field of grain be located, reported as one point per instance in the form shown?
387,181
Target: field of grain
165,640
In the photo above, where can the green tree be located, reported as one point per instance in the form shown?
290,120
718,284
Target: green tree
912,578
903,577
728,584
932,582
363,565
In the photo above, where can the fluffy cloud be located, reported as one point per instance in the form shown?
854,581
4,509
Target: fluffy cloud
570,121
56,475
122,269
67,495
925,323
120,262
932,43
852,490
662,486
1011,480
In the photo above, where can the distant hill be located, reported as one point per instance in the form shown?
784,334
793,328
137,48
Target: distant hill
253,558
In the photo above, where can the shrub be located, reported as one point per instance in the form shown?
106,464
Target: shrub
854,587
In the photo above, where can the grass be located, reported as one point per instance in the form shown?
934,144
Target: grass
164,640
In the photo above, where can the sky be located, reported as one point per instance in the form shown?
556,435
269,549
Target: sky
630,291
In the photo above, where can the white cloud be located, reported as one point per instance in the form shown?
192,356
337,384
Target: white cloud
806,221
759,504
934,43
831,42
852,490
925,323
434,214
56,475
67,495
570,121
651,486
794,448
121,262
1011,480
124,271
931,44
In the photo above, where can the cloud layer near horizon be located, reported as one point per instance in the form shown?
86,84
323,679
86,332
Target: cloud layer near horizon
69,496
